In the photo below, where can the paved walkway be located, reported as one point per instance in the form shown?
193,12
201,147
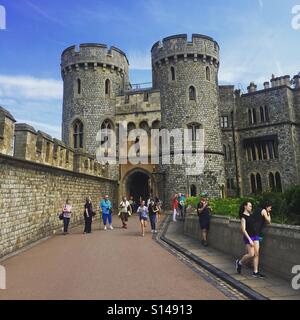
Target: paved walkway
272,287
113,264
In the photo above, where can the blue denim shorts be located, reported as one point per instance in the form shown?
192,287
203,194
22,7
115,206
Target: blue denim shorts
254,238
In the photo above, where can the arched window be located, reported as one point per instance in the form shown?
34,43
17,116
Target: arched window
78,86
258,183
229,153
267,117
192,93
156,124
131,126
278,182
254,116
193,190
250,116
225,152
106,133
107,87
78,134
253,183
262,115
144,125
272,182
172,72
207,74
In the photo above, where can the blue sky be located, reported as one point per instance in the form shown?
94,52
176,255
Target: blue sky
256,39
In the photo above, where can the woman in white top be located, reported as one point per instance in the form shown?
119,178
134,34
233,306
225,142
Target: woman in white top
125,211
67,211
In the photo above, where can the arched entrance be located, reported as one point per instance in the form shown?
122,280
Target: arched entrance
138,184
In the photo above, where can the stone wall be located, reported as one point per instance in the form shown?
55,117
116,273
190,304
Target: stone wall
32,195
280,249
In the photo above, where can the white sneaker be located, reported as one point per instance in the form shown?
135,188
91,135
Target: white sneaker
155,231
111,228
105,228
152,231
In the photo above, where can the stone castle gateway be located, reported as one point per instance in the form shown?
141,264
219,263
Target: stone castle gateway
251,140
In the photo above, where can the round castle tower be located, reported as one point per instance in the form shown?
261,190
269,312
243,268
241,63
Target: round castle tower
92,77
186,73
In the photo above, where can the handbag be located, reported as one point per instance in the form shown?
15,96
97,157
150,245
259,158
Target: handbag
61,216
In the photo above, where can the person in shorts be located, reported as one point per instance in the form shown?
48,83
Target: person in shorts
143,215
251,239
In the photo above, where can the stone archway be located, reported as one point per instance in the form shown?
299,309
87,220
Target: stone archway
138,183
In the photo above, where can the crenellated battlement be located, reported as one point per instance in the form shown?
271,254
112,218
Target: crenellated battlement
93,56
175,47
22,141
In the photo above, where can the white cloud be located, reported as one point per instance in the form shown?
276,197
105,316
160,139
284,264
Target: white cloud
27,87
52,130
139,61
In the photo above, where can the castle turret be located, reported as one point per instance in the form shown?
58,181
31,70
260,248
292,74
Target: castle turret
186,73
92,76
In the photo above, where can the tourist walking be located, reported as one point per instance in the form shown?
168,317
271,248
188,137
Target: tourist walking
251,239
67,211
153,210
262,216
106,208
88,215
125,211
204,213
143,215
181,205
175,207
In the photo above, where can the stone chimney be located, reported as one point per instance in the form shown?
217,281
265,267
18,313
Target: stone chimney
273,81
252,87
266,85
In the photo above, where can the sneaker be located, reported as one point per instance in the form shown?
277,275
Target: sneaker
152,231
238,266
111,228
155,231
143,234
205,244
258,275
202,242
105,228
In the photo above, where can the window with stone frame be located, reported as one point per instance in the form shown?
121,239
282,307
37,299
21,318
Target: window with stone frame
208,77
193,190
192,93
224,122
107,88
78,86
278,184
264,114
193,131
255,183
172,74
78,134
107,134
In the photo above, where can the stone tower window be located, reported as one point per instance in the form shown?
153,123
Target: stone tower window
78,134
192,93
78,86
207,74
264,114
107,87
106,133
172,70
252,116
193,127
224,122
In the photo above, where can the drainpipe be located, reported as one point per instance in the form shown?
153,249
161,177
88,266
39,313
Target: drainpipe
238,189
